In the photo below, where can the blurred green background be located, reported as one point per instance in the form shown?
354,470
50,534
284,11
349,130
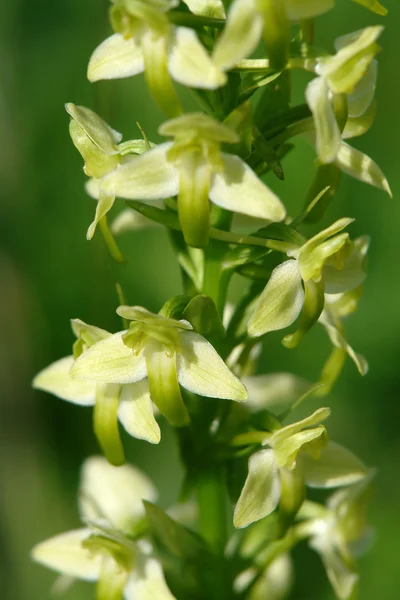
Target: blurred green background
50,273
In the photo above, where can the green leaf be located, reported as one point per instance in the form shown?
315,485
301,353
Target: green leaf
243,255
174,307
171,535
326,175
268,154
281,231
164,217
202,313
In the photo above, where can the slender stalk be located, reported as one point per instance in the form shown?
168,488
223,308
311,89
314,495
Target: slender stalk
110,241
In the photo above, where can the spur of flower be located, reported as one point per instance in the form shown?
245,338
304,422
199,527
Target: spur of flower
111,549
166,351
327,259
145,40
129,403
194,168
338,532
296,454
100,148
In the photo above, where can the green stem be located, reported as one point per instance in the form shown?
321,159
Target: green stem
253,65
110,241
216,278
212,502
307,30
194,21
236,238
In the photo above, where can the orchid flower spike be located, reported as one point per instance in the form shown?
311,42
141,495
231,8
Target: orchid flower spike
107,550
166,351
129,403
145,40
194,168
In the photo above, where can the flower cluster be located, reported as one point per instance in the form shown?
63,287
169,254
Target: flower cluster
259,454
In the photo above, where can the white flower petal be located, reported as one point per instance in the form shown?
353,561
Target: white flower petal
362,167
352,273
146,177
115,58
261,491
238,188
189,63
148,582
207,8
104,204
360,99
242,33
328,138
276,581
342,577
92,187
110,361
131,220
335,466
306,9
136,412
64,553
202,371
56,379
114,493
280,302
275,391
339,341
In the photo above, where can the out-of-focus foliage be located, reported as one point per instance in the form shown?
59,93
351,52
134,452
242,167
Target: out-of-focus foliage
49,273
